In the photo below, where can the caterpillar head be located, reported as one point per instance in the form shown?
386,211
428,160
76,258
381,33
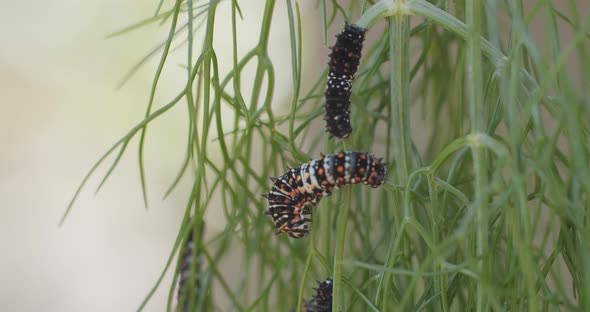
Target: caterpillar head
377,173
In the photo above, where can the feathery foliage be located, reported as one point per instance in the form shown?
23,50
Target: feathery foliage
481,116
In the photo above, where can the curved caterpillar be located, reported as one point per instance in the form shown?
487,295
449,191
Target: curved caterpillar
322,301
344,61
295,192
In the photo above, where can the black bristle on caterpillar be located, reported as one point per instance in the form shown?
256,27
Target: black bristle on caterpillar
322,301
298,190
344,61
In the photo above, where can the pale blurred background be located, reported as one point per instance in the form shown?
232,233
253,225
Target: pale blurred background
60,111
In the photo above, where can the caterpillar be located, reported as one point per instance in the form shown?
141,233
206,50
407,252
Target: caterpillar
344,61
322,301
295,192
186,259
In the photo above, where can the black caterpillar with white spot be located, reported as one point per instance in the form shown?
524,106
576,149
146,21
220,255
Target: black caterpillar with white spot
295,192
187,257
344,61
322,301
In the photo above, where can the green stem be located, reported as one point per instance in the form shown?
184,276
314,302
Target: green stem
477,121
400,93
522,232
339,252
306,268
399,51
296,56
399,32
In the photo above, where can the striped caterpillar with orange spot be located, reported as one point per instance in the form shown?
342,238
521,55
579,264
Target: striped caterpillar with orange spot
298,190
